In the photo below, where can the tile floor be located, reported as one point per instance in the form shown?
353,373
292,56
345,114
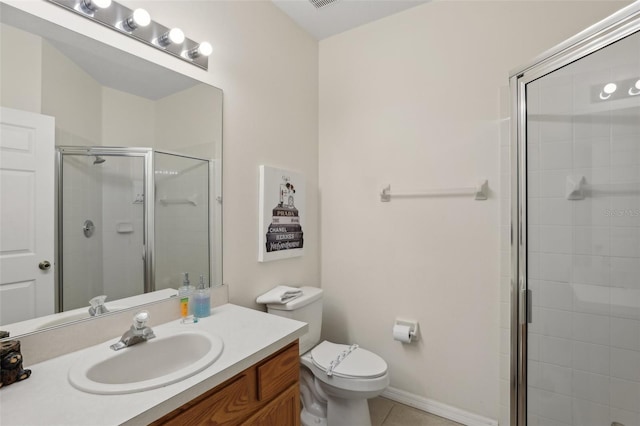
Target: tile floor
385,412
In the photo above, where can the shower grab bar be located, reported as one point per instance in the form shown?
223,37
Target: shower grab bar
480,192
189,200
577,188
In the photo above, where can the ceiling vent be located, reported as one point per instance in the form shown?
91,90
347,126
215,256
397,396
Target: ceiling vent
319,4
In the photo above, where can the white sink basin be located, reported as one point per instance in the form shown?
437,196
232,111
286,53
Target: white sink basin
147,365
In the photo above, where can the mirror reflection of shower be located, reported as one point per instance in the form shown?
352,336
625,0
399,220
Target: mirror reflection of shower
120,258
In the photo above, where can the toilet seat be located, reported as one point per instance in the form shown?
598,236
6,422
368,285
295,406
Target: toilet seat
357,364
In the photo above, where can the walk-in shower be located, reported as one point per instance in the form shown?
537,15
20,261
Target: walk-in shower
130,220
575,323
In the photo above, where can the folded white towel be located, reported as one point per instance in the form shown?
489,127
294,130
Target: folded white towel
280,294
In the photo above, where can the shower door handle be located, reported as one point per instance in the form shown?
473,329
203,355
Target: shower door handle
45,265
525,304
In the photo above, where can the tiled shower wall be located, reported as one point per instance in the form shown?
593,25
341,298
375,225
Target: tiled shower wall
109,261
122,227
82,201
584,254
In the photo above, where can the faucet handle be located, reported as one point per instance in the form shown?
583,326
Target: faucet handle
140,320
97,301
97,305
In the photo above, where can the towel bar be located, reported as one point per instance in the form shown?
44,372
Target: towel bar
479,192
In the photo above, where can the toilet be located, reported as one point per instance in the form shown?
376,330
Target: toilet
335,379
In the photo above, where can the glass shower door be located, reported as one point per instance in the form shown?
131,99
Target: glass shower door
181,219
583,240
102,228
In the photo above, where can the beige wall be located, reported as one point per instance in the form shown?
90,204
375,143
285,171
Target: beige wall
197,133
127,120
21,61
79,117
413,100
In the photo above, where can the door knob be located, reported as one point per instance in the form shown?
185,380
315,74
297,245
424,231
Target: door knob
44,265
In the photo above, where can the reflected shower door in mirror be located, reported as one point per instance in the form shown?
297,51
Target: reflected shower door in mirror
99,96
130,221
182,231
101,227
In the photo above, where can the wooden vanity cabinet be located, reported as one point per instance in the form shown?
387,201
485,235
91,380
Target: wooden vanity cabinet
265,394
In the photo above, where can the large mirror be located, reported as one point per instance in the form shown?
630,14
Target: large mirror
110,177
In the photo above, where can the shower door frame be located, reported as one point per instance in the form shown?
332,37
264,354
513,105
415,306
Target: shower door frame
608,31
148,212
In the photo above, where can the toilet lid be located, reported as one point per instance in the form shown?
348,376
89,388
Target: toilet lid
359,363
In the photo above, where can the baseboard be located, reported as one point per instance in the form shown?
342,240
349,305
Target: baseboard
437,408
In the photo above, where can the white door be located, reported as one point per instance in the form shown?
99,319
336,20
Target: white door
26,215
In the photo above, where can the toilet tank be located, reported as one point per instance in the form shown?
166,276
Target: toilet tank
306,308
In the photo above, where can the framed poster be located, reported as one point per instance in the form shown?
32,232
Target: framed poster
281,214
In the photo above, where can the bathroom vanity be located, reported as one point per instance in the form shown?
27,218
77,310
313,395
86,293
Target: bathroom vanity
253,381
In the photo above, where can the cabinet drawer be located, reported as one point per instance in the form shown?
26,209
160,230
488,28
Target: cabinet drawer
282,411
223,407
278,373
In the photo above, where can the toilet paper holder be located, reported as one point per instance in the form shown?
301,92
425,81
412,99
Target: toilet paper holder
413,327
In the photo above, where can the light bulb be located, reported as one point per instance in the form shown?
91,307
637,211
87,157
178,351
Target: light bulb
608,90
173,36
91,6
139,18
176,35
203,49
636,91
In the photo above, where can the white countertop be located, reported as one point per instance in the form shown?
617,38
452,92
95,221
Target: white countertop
47,397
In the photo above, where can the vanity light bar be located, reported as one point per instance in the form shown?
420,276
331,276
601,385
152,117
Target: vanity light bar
137,24
616,90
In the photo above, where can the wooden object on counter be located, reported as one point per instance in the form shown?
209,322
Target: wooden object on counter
11,370
265,394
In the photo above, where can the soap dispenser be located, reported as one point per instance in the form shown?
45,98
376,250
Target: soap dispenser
185,294
202,300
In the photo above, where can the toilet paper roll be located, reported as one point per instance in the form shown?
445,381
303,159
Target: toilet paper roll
401,333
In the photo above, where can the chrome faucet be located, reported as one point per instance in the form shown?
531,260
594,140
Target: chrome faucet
139,332
97,306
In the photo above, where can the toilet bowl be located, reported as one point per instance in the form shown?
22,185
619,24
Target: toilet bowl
361,375
336,380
